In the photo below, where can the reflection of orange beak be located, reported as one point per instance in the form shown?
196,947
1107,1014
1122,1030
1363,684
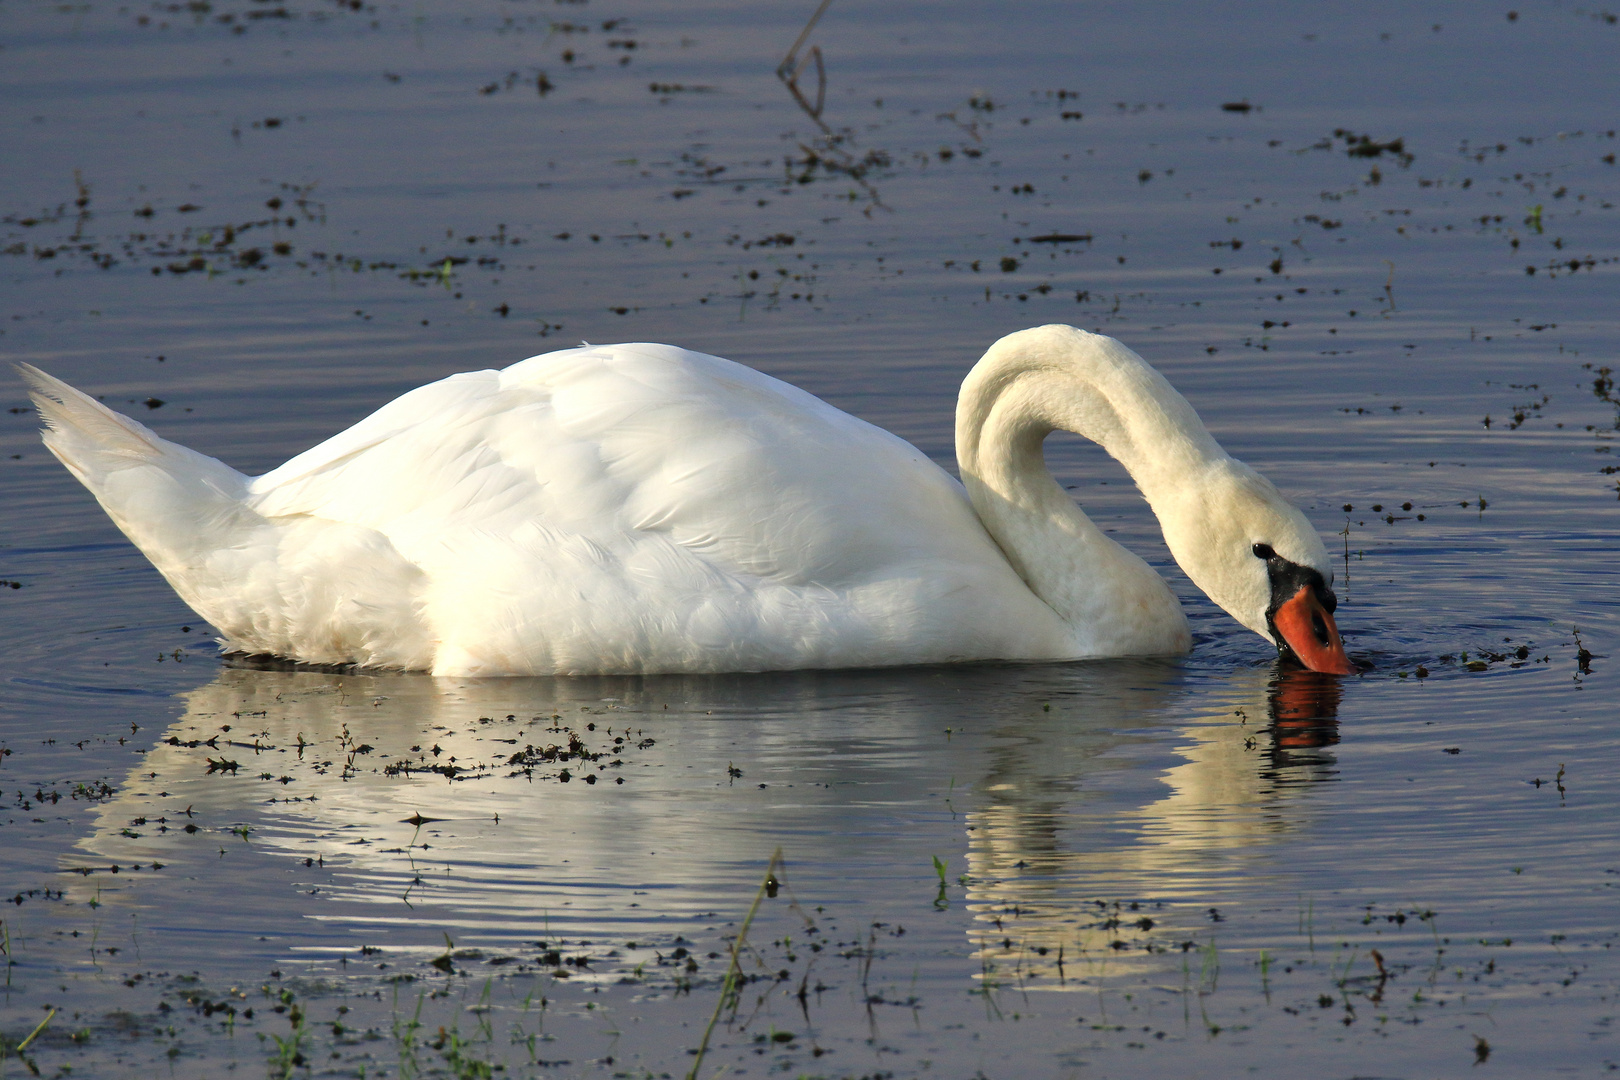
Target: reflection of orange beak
1304,707
1308,629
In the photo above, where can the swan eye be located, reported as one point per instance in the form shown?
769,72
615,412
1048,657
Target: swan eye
1263,551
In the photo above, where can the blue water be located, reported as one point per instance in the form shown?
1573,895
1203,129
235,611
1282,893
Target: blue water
1271,828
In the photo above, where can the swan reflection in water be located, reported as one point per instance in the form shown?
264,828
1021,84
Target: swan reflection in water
328,811
1053,878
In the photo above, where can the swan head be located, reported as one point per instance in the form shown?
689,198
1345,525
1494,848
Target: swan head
1258,557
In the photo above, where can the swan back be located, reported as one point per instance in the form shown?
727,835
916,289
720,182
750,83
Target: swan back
642,507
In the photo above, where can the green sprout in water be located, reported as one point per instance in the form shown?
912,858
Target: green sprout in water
731,985
289,1053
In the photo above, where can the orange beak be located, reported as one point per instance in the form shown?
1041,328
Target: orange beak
1308,629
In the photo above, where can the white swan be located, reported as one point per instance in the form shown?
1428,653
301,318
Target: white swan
642,508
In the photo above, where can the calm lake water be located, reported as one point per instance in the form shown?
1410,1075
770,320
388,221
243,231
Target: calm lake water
1375,244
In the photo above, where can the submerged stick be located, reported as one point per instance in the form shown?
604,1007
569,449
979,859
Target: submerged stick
787,70
735,968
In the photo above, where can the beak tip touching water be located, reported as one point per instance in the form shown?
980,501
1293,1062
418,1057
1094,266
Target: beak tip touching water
1307,630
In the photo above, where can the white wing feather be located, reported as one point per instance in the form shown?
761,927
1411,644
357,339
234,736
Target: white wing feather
646,508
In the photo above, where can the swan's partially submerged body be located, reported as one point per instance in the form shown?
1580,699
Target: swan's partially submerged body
642,508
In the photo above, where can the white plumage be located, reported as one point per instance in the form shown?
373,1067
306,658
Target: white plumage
643,508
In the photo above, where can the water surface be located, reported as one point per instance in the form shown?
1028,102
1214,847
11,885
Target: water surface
1374,244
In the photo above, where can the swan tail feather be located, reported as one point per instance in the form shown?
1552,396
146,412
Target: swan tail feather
173,503
85,435
296,586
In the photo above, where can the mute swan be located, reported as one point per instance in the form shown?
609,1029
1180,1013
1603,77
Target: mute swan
642,508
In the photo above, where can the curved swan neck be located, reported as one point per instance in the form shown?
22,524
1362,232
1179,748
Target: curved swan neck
1033,382
1036,381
